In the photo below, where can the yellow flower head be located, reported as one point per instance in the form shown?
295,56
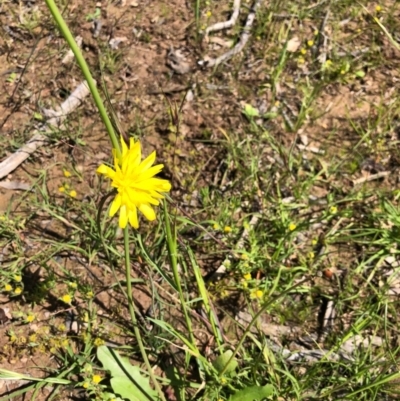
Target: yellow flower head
256,294
18,291
247,276
30,317
98,342
67,174
66,298
137,188
72,194
96,379
7,287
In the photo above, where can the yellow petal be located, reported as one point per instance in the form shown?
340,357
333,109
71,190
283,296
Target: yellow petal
148,161
116,204
124,147
123,217
151,172
148,212
105,170
133,218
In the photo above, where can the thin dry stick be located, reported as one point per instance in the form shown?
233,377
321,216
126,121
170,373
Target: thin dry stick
39,138
371,177
242,41
226,24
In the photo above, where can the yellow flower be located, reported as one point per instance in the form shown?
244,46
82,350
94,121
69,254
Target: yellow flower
72,194
301,60
18,291
303,51
67,174
292,226
208,14
247,276
32,338
216,226
98,342
333,209
13,338
256,294
96,379
85,385
18,278
378,8
62,327
136,185
30,318
66,298
310,43
61,189
7,287
227,229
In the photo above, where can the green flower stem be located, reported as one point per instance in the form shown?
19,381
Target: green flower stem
62,26
133,315
172,253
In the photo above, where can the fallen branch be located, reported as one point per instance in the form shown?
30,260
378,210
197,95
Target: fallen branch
372,177
39,138
226,24
245,36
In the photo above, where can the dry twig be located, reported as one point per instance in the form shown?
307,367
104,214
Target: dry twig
245,36
39,138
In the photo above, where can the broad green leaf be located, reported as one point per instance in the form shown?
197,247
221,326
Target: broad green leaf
127,381
253,393
220,362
